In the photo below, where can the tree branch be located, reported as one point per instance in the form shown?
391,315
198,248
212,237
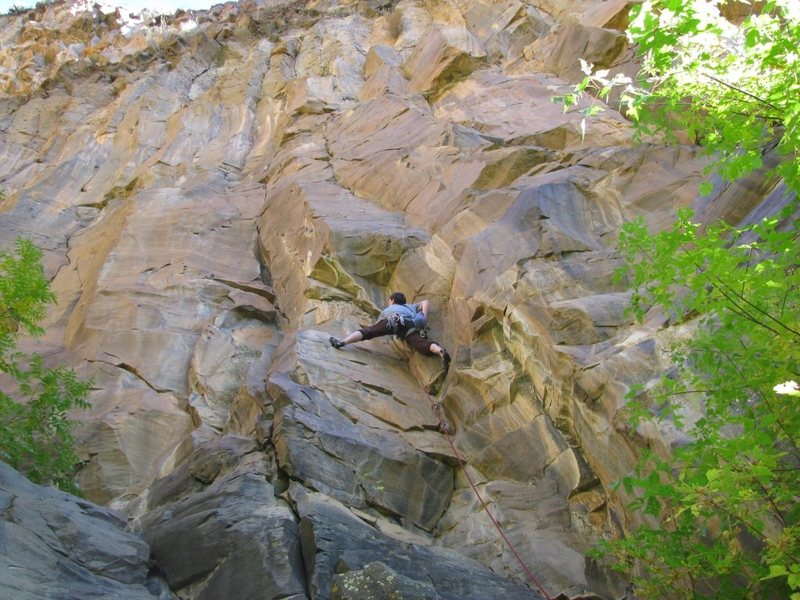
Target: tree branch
741,91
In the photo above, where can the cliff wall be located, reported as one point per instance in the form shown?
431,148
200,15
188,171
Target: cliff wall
217,192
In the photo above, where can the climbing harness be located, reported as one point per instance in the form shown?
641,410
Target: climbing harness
445,428
400,324
396,323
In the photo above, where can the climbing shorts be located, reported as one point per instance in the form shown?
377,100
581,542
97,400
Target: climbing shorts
419,343
413,339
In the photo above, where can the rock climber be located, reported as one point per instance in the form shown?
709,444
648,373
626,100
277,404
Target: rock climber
406,321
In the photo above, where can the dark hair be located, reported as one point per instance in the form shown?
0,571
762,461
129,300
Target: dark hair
398,298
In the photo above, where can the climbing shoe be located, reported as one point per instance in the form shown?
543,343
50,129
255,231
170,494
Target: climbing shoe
336,342
445,360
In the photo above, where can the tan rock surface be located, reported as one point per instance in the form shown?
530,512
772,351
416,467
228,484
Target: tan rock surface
218,193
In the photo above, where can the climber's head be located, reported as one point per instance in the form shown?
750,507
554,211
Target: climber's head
397,298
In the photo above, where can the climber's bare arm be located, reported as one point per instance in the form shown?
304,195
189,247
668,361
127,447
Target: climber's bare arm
423,306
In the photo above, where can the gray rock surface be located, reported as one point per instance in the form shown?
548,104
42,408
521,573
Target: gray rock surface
54,545
342,552
217,530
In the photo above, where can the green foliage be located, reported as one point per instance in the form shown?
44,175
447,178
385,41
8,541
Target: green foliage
733,89
17,10
728,500
724,505
35,433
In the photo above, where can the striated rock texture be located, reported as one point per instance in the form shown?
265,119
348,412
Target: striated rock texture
219,191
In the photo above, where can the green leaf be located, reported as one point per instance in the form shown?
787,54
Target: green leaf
35,432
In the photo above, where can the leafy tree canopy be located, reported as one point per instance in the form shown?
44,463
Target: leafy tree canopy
724,506
727,501
734,88
35,432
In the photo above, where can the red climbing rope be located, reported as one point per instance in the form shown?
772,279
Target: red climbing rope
444,428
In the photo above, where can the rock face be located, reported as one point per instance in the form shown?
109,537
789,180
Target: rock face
218,192
57,546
